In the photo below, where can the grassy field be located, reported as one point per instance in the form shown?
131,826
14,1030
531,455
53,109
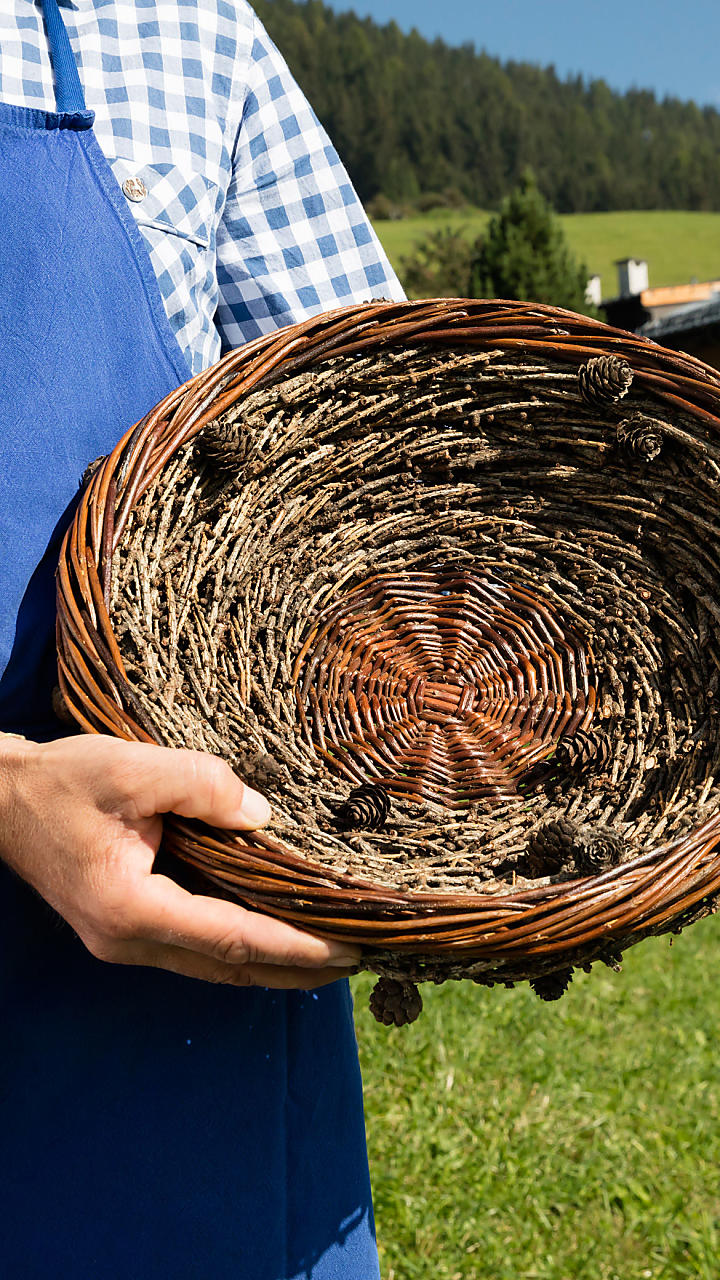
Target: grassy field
511,1140
678,246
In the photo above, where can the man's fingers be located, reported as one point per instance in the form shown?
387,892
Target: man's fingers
195,785
191,965
222,931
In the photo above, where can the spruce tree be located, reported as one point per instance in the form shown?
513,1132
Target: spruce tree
524,254
440,265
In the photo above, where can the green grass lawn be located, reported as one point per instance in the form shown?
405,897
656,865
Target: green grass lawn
678,246
398,237
512,1140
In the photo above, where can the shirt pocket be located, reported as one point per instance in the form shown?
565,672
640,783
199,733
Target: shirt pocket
167,198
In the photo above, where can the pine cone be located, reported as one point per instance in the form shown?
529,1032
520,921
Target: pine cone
395,1003
220,445
550,848
612,958
551,986
640,437
258,768
564,845
90,470
604,380
583,751
597,849
61,711
365,809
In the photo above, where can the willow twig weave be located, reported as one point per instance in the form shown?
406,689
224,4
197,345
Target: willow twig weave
441,580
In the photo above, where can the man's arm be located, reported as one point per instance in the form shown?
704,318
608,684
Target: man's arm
81,821
294,240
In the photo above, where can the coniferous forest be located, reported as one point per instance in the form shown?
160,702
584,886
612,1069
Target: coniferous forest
418,121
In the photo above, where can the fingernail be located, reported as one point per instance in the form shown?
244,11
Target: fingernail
254,810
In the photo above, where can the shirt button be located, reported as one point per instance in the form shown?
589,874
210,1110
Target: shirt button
134,189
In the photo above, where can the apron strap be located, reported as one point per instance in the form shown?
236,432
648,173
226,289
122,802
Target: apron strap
69,96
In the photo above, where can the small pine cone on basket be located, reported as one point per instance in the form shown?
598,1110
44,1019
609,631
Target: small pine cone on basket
395,1003
550,848
365,809
551,986
566,846
61,710
598,849
583,751
640,437
90,470
604,380
221,446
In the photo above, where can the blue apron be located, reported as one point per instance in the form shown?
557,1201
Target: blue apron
149,1125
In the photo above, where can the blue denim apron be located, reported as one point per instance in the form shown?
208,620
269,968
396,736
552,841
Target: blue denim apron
149,1125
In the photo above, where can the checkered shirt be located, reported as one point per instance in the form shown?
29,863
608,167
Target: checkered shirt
250,218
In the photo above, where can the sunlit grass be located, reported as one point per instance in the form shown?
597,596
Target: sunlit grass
512,1140
678,246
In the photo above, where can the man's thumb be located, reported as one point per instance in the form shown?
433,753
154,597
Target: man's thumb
194,784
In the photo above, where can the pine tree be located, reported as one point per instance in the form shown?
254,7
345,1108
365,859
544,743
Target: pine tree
524,254
409,115
440,265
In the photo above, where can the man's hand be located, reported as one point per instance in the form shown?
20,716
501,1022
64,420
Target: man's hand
81,821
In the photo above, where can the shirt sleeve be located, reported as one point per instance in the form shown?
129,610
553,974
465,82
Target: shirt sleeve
294,239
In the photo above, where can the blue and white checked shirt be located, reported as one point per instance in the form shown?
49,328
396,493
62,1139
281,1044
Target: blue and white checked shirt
250,218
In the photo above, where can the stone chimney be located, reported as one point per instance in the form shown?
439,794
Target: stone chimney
633,277
593,291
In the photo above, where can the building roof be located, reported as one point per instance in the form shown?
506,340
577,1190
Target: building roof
675,294
703,315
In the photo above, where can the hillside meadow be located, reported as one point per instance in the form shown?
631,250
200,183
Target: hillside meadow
678,246
515,1140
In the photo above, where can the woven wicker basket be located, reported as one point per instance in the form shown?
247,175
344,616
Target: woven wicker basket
441,580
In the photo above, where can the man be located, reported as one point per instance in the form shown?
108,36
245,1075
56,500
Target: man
152,1125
